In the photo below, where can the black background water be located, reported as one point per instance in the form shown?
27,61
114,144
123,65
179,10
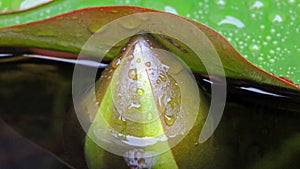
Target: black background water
38,128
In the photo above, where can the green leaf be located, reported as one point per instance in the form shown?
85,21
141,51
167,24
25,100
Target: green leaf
69,32
7,6
61,6
264,32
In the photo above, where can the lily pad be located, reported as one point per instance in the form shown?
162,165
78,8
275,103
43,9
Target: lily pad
264,32
69,32
20,5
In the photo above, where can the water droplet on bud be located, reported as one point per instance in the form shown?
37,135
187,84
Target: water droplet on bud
130,57
148,64
169,119
163,77
139,91
115,63
132,74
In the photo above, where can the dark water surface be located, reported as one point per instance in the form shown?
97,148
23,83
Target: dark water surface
260,127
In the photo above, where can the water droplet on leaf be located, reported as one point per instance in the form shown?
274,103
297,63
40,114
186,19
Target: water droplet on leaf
232,21
93,27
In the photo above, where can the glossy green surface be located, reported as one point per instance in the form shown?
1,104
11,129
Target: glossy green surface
69,32
266,32
19,5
